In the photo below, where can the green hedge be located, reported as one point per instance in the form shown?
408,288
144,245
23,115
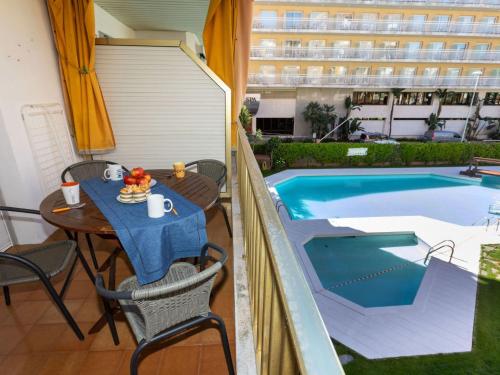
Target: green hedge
404,154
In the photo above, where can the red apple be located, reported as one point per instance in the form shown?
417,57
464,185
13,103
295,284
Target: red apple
147,177
129,180
141,181
137,172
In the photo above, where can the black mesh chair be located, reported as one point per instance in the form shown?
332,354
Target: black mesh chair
217,171
82,171
40,264
174,304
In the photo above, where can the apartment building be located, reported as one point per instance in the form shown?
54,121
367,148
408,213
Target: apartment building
313,50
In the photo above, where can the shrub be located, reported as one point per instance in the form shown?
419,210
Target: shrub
408,153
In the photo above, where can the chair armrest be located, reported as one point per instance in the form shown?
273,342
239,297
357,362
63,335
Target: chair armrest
110,294
204,254
22,210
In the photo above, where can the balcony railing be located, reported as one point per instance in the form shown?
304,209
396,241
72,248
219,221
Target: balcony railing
367,81
289,334
282,24
398,3
382,54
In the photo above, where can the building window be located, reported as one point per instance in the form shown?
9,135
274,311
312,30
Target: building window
293,20
268,19
318,20
459,98
275,125
292,48
370,98
440,23
492,98
414,98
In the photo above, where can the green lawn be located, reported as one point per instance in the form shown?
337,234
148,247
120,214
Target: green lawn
485,356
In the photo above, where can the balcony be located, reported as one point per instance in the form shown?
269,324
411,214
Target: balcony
395,3
369,81
359,26
373,54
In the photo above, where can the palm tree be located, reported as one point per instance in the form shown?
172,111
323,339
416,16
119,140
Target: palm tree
396,93
245,118
350,106
320,117
441,94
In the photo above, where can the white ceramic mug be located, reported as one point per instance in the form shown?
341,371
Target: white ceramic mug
114,172
156,206
71,192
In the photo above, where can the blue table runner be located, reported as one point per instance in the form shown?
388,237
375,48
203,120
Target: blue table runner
151,244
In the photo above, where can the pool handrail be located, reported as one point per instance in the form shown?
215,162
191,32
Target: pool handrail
439,246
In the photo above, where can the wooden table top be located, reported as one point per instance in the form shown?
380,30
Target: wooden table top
199,189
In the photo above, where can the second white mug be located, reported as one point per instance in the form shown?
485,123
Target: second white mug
114,172
156,205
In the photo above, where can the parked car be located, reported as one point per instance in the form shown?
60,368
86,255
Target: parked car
364,136
441,136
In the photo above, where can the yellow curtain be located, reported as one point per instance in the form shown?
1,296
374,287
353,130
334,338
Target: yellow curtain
226,37
74,36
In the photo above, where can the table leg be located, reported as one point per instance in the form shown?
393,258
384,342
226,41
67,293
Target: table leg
111,308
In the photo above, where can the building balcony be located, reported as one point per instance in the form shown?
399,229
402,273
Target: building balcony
359,26
373,54
394,3
369,81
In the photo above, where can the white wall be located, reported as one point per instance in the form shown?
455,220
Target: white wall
29,75
190,39
374,126
163,106
107,24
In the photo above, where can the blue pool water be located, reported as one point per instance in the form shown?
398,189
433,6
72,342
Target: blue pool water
364,270
450,199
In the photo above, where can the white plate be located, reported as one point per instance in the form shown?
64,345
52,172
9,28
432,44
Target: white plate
152,183
131,202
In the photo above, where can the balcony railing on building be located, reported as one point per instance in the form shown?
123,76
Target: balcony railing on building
382,54
399,3
374,26
369,81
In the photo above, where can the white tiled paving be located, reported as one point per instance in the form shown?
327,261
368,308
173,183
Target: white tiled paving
440,320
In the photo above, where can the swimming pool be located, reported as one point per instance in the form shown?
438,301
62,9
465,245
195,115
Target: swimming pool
370,270
456,200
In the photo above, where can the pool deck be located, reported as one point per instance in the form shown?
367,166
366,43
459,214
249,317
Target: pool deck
440,320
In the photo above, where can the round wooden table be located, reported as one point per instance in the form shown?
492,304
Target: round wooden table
197,188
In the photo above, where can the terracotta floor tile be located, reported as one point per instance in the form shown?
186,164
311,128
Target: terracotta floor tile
90,311
149,363
24,312
67,363
211,336
53,315
67,340
213,361
102,363
181,360
80,289
24,364
40,338
10,336
104,341
29,346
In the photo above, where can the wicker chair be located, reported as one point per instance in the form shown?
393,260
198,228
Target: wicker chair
81,171
171,305
40,264
217,171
